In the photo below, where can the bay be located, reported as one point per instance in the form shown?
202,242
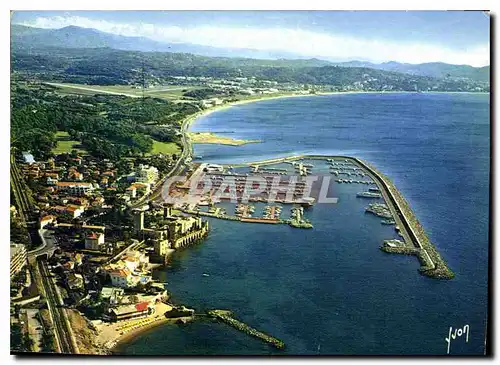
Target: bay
331,288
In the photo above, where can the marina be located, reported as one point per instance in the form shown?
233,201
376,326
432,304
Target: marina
295,189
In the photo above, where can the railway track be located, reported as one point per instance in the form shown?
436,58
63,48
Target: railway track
62,331
22,193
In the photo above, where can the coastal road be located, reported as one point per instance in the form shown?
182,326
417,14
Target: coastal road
180,164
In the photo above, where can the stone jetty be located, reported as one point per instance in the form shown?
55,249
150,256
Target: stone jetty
226,317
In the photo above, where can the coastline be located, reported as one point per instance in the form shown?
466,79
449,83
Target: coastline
442,273
190,120
212,138
124,339
112,335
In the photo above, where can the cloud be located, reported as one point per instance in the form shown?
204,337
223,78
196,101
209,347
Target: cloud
298,41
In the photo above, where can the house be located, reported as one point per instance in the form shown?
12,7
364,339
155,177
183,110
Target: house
140,259
142,309
69,265
28,158
94,241
143,188
132,191
74,210
104,182
111,295
74,174
82,202
74,188
75,281
129,272
48,219
52,180
122,278
98,201
145,174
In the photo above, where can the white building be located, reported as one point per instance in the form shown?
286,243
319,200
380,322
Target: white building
122,278
146,174
18,257
94,241
74,188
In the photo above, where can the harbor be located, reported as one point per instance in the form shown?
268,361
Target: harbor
387,203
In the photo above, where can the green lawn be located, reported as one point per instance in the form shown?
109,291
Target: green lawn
65,144
166,148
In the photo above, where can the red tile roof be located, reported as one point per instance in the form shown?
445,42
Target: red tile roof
141,306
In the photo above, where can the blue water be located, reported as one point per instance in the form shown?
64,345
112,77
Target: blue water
331,287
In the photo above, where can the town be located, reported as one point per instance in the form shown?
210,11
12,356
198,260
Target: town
91,252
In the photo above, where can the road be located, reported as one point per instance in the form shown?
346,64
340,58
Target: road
48,244
187,152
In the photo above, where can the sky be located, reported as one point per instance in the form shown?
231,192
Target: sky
456,37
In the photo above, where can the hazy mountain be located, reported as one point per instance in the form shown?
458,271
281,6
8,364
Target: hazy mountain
23,37
433,69
28,38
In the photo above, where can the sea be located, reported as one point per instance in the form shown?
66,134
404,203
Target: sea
330,290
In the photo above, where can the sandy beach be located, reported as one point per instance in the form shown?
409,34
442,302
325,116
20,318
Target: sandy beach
212,138
112,334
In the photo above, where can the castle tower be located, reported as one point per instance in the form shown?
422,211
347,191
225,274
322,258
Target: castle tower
160,247
173,228
138,221
139,218
167,210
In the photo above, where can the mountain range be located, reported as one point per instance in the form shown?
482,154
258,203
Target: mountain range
29,38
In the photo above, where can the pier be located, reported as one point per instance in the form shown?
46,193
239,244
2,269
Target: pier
226,317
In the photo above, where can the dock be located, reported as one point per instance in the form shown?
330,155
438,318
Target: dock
226,317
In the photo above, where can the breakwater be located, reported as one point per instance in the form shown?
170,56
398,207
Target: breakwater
433,264
226,317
